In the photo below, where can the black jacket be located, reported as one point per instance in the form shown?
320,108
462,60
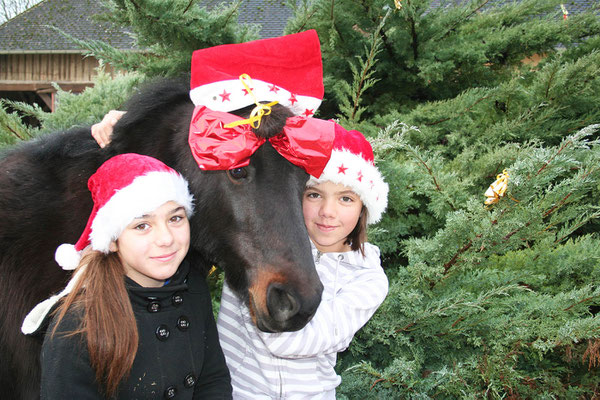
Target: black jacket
178,355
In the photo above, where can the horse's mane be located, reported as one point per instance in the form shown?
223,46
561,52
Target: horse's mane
152,105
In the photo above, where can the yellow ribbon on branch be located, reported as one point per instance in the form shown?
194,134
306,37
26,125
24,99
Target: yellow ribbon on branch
497,188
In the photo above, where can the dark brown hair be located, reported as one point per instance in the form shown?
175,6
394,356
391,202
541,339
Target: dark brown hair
357,238
108,323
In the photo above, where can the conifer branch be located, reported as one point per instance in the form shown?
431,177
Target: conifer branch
550,79
592,352
414,40
15,133
473,12
579,302
454,258
233,10
188,6
466,110
308,17
562,147
384,37
364,81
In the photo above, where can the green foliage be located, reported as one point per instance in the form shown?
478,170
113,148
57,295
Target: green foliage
167,32
350,95
485,302
434,53
498,301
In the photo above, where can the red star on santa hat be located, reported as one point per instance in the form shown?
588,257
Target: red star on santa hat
225,96
342,169
273,88
246,91
360,176
293,99
308,112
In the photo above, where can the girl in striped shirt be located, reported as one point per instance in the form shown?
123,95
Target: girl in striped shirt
349,194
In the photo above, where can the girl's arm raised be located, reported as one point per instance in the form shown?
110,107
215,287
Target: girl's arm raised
336,320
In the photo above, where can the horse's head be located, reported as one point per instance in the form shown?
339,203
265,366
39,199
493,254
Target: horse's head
251,225
248,221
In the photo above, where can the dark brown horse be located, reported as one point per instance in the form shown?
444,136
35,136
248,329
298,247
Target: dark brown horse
248,221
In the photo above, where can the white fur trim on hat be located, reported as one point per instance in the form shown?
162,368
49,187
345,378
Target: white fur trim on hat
145,194
361,176
231,95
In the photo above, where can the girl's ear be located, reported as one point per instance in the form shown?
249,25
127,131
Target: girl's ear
113,246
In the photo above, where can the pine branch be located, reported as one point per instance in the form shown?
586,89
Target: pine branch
473,12
233,10
466,110
189,6
366,70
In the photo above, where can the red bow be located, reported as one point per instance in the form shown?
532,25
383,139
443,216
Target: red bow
305,142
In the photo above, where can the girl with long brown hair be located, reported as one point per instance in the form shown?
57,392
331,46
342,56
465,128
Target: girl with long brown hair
136,319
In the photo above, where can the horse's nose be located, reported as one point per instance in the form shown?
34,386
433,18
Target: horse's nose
281,302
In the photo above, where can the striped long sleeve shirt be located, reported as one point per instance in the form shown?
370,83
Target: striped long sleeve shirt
300,365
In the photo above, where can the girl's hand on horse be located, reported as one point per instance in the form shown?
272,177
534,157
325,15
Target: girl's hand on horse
102,131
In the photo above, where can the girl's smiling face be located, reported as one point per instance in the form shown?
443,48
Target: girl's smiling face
331,211
153,246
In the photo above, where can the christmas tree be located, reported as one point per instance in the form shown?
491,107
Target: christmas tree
484,119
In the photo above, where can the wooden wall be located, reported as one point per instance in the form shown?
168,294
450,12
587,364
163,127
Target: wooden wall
35,71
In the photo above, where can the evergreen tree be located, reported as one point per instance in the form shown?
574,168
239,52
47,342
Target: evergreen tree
168,32
435,50
495,300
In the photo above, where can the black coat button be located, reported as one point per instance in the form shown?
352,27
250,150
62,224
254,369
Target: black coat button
170,392
189,381
183,323
177,299
162,332
153,307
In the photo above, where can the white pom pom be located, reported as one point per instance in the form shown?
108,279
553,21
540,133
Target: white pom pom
67,257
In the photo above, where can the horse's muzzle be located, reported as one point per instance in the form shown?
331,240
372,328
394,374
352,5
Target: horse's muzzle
283,307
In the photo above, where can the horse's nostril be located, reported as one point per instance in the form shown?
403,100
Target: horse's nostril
281,303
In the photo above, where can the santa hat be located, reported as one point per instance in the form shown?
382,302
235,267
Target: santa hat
287,69
125,187
352,164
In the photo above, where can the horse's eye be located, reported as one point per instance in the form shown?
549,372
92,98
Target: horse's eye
238,173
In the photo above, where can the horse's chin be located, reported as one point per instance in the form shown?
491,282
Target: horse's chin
269,325
266,323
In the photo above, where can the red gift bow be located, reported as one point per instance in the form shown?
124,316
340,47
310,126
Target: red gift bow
305,142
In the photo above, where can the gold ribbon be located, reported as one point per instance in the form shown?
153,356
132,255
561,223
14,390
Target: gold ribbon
497,189
258,112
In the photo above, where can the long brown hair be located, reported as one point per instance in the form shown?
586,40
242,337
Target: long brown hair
108,322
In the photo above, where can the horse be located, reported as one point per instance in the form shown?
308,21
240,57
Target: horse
248,221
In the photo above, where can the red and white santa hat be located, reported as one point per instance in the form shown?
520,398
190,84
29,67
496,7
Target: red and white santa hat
352,164
287,69
125,187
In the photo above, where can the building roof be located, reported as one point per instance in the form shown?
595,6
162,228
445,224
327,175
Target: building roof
272,15
29,31
572,6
